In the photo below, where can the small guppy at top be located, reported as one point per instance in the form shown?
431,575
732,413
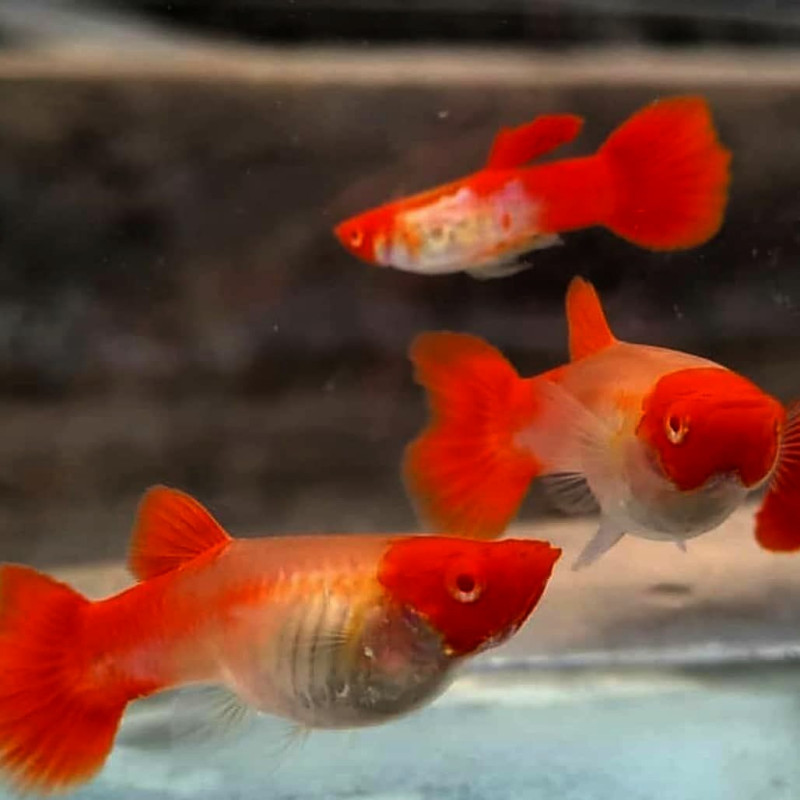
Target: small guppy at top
323,631
664,444
660,181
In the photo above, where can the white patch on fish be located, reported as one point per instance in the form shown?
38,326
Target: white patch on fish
462,231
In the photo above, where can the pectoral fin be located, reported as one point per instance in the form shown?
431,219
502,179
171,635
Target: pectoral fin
570,493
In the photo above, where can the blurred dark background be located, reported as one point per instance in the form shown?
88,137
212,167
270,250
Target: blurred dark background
173,307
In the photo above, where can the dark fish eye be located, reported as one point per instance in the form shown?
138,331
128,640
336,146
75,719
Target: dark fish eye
356,238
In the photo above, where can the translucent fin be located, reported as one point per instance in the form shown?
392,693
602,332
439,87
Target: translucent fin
680,544
570,492
511,265
566,436
513,147
608,534
210,717
280,737
208,714
501,269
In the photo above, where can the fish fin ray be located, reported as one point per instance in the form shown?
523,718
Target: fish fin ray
513,147
607,535
777,527
507,265
206,714
571,440
681,545
669,175
565,435
570,492
463,472
57,724
589,331
497,269
171,529
278,740
207,717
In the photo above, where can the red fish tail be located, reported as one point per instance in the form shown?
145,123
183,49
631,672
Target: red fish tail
57,724
778,519
669,175
465,472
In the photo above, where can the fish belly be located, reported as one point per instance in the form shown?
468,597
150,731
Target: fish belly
333,663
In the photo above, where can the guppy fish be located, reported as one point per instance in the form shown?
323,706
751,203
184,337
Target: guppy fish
329,632
660,181
664,444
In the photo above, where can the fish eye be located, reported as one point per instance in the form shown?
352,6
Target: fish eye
356,237
676,428
465,587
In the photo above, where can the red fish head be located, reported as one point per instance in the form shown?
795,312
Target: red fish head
474,593
360,233
706,421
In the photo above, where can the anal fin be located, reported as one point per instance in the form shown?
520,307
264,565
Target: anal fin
210,717
500,269
511,263
608,534
208,714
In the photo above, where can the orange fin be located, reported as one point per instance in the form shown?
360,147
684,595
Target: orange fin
669,175
171,529
588,327
778,519
56,730
465,472
513,147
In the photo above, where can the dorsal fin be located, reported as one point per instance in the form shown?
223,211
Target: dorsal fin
588,328
513,147
171,529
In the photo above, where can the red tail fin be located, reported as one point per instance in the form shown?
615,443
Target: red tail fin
56,729
669,175
464,471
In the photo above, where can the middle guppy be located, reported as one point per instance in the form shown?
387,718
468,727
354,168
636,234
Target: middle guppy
664,444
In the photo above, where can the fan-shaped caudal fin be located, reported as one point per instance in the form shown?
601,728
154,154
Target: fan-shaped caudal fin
778,519
513,147
669,175
465,472
171,529
588,328
58,718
